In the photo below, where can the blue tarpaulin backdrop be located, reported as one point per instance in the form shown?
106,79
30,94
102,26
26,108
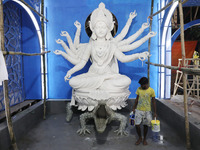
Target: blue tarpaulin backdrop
62,14
32,64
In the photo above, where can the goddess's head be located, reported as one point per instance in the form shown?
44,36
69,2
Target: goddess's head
101,21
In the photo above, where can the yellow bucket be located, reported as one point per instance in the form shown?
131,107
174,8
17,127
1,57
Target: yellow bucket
155,125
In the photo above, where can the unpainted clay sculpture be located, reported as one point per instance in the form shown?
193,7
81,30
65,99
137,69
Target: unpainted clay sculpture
101,90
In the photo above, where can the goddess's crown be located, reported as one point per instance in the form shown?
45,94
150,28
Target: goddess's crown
102,14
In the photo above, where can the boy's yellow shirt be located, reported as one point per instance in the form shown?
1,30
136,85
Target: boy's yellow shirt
144,101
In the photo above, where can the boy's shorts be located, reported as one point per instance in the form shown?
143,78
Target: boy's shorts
143,117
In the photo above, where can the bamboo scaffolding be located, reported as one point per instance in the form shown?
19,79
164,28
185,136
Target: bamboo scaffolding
192,84
149,42
196,12
184,76
183,58
41,15
194,71
184,1
25,54
169,4
44,59
5,86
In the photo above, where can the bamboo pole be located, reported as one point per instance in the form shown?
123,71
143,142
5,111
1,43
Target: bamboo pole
190,14
195,15
169,4
44,59
184,1
184,76
194,71
5,86
8,115
25,54
149,42
41,15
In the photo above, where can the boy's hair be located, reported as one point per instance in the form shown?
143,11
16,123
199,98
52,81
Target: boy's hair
143,81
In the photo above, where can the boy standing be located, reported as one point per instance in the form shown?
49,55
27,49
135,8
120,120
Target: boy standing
142,108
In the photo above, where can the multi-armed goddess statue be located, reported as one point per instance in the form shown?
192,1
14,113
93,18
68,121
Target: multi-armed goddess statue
101,90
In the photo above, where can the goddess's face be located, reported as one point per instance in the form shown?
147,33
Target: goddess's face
101,29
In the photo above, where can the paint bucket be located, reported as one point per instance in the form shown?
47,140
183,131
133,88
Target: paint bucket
155,125
132,119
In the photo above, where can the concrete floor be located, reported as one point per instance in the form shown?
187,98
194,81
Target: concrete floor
193,107
55,133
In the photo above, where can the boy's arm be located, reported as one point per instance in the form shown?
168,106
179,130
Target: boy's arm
136,102
154,106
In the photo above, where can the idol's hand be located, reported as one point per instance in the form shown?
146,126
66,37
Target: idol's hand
143,56
68,75
58,52
59,41
64,33
77,24
145,25
132,15
152,34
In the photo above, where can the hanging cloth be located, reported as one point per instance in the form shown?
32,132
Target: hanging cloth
3,69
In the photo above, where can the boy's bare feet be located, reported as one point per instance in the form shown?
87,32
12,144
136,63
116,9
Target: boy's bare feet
145,142
138,141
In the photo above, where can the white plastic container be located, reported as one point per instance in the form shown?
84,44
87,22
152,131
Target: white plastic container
132,119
